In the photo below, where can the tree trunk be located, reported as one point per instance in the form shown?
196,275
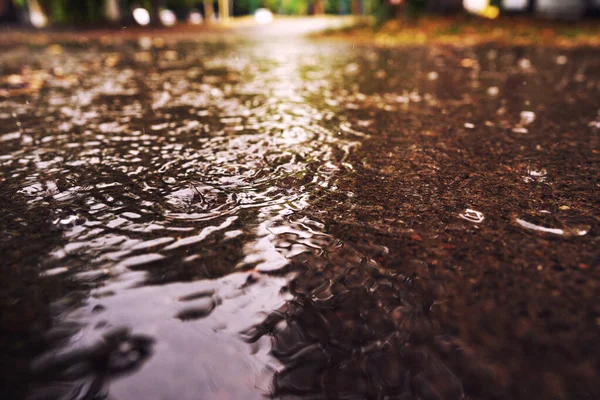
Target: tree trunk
356,7
223,11
155,17
209,11
112,11
319,7
4,5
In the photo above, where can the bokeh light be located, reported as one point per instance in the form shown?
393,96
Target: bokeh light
263,16
36,15
195,18
475,6
141,16
167,17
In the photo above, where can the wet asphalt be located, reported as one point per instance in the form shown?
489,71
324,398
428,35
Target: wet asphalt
296,218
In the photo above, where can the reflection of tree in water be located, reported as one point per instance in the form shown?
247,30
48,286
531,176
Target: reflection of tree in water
85,373
28,318
27,310
30,303
25,297
355,330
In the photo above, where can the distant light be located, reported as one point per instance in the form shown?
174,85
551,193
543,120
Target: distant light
195,18
141,16
167,17
475,6
36,15
263,16
491,12
482,8
514,5
38,19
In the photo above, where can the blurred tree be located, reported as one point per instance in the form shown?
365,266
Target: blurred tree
76,12
531,5
209,10
111,10
94,11
384,10
155,7
171,4
414,8
8,10
331,6
73,11
273,5
243,7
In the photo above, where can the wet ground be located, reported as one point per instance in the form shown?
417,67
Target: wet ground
299,219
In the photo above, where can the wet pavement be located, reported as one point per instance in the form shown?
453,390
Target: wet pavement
299,219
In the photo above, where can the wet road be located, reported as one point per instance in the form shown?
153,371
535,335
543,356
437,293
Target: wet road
299,219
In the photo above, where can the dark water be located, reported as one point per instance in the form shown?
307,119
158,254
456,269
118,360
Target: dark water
297,219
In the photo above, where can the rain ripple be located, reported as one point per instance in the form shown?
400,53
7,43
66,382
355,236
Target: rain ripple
179,196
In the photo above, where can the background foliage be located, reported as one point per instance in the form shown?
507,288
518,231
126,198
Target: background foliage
92,11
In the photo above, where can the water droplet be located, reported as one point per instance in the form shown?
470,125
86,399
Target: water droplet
472,215
527,117
547,223
524,63
534,175
54,271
